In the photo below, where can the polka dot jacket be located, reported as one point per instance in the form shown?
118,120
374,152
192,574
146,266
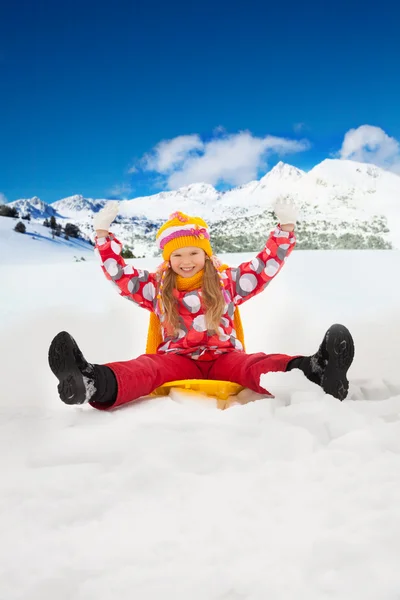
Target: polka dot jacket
241,283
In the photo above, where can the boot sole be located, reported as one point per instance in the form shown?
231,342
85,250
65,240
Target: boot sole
63,363
340,348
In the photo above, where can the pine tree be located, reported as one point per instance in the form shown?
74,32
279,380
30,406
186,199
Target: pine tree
72,230
20,227
127,253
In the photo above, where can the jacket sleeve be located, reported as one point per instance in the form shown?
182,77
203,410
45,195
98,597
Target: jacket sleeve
134,284
251,278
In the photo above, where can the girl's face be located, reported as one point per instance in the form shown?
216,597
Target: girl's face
187,261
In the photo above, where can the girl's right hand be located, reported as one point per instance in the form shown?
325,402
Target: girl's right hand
103,219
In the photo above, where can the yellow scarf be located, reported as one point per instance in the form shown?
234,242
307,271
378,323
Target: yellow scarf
154,335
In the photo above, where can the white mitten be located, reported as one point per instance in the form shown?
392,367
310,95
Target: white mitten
105,216
285,210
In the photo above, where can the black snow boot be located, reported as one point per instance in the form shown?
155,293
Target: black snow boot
328,367
80,381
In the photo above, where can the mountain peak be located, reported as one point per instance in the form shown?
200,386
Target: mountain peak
34,206
283,171
197,189
77,204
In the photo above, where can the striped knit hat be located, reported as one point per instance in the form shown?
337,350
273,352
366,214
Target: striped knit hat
180,231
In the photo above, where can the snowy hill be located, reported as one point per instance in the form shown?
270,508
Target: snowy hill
344,204
37,244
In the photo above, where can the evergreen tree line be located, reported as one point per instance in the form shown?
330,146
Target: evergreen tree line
70,229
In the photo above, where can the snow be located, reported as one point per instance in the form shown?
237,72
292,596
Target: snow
37,245
295,496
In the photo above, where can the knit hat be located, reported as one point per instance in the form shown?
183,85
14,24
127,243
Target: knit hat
181,230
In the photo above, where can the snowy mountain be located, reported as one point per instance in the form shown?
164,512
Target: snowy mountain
76,206
344,204
35,207
282,172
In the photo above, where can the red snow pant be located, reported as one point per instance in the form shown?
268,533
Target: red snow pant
140,376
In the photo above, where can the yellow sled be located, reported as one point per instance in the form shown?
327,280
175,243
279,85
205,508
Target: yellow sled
221,390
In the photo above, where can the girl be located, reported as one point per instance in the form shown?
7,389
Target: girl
195,329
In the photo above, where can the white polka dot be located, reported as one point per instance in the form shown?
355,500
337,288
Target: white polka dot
143,275
165,346
192,301
248,282
149,291
116,248
238,344
101,241
199,323
133,285
255,263
271,268
128,270
111,266
222,335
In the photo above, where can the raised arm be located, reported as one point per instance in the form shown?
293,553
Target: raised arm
136,285
252,277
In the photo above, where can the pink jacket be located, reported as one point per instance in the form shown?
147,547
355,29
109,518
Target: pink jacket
241,283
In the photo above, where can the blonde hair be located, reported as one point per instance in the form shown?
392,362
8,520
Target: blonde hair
212,297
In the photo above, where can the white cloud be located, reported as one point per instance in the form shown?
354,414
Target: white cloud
371,144
120,190
3,199
232,159
170,153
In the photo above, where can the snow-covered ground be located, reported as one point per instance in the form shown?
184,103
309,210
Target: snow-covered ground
285,498
37,244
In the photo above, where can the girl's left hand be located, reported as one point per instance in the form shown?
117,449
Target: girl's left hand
286,211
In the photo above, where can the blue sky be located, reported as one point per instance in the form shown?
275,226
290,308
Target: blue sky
128,98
